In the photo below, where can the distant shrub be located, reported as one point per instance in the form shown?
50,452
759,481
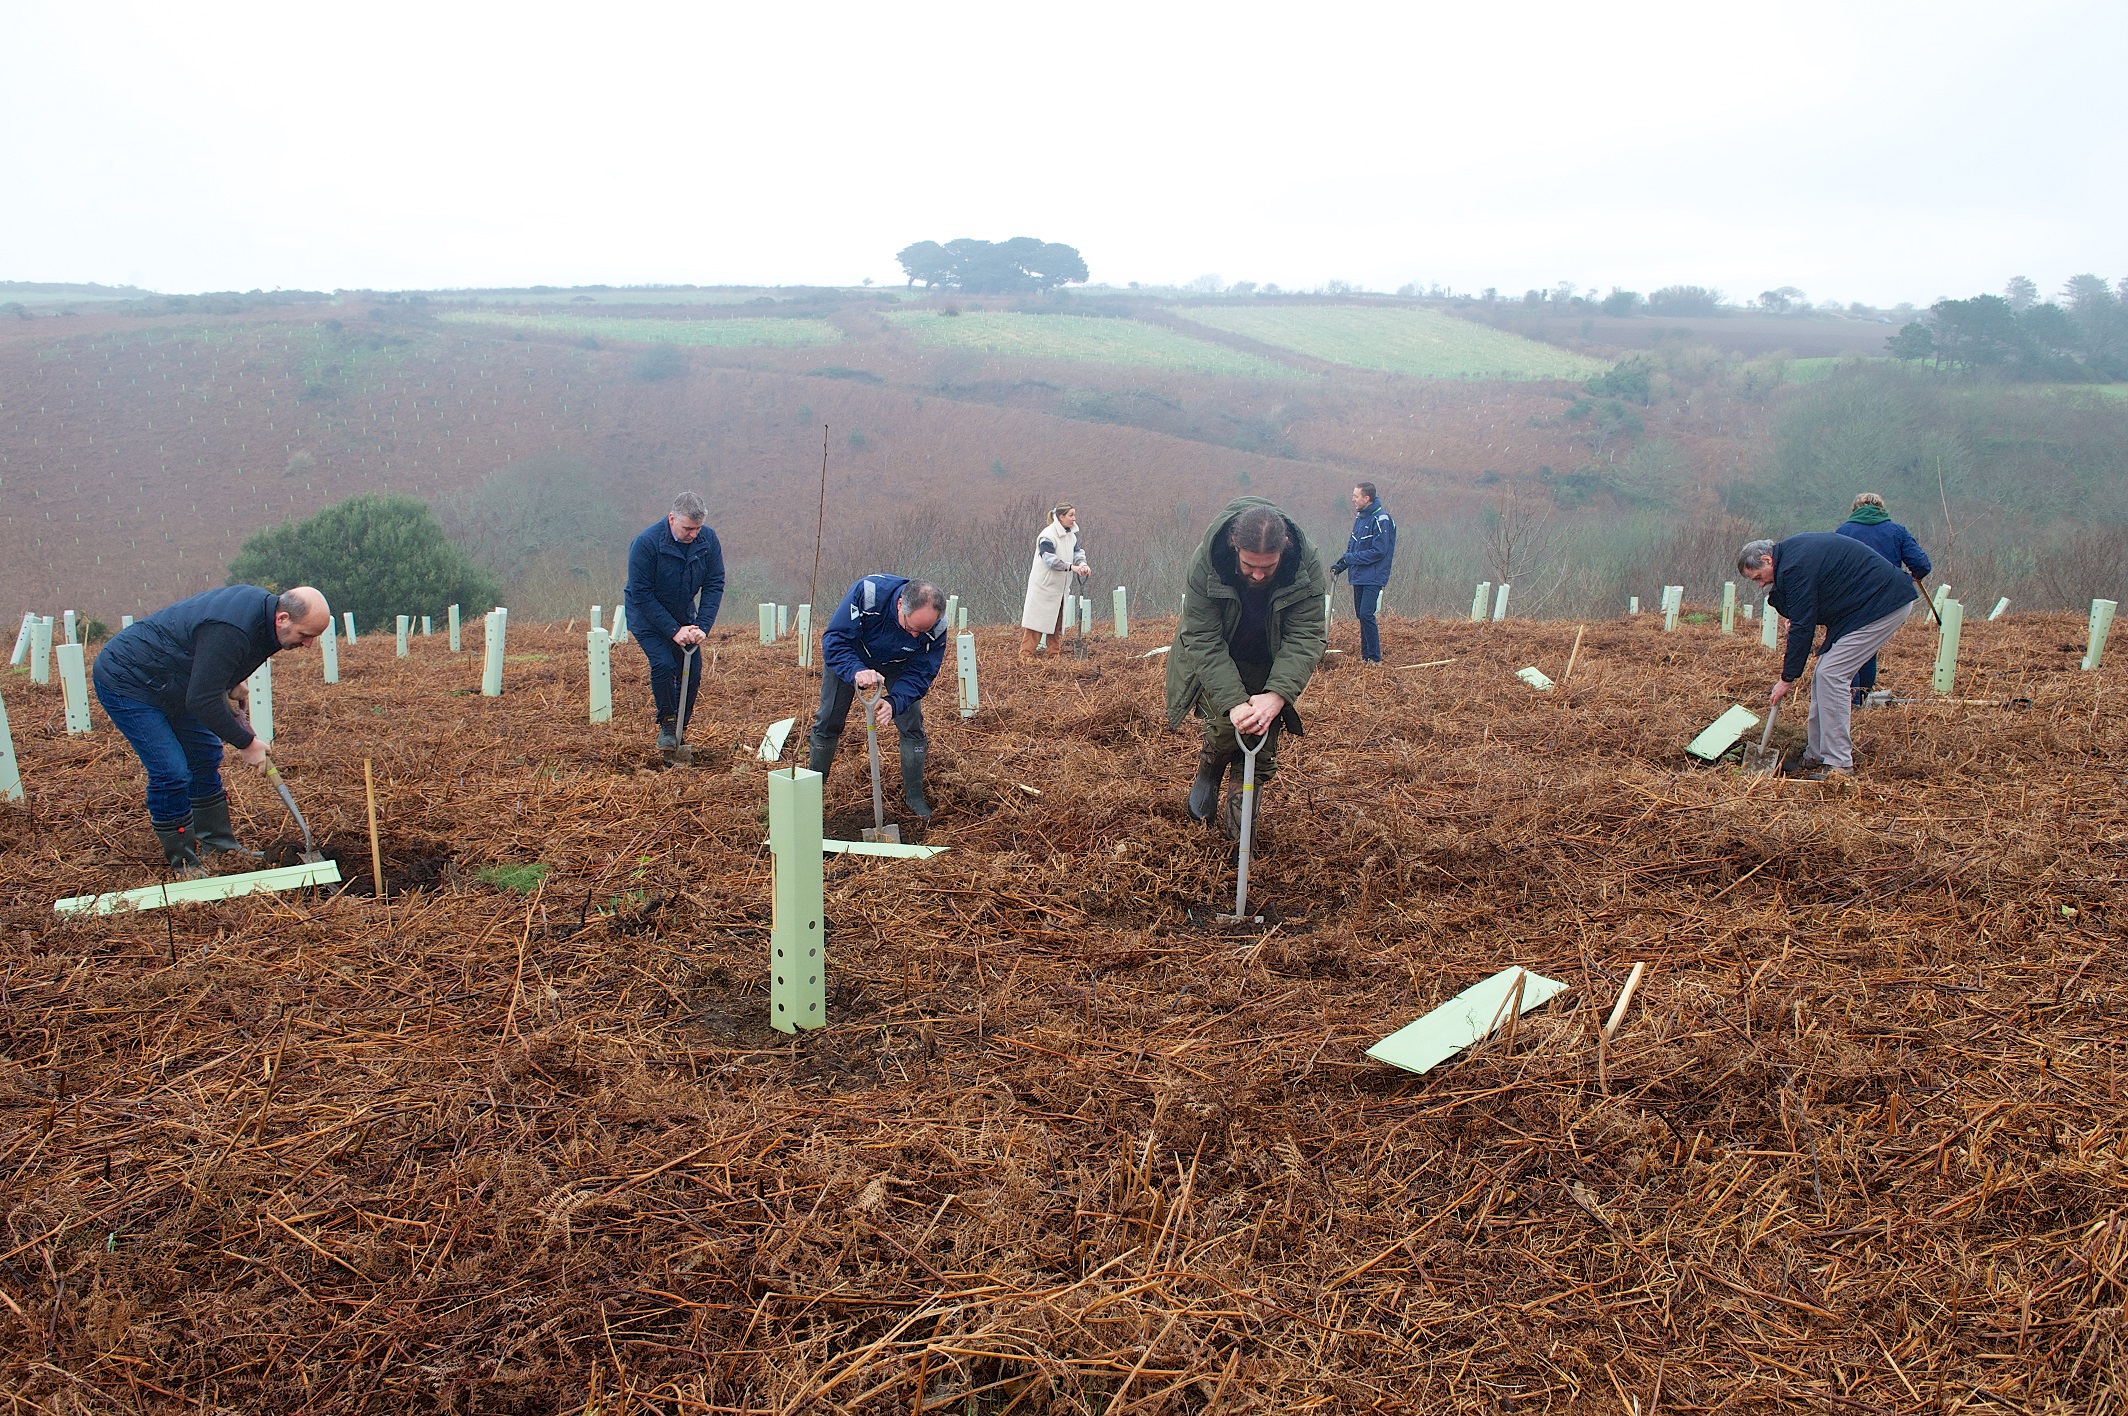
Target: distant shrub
300,464
837,371
1685,300
658,363
1622,302
1629,379
316,392
378,556
16,308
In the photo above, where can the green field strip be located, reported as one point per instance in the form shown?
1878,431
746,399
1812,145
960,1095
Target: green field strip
1423,343
713,333
1085,339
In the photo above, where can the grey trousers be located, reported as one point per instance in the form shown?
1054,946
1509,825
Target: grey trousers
1832,703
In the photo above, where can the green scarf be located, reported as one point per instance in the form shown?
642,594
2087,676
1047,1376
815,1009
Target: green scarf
1867,515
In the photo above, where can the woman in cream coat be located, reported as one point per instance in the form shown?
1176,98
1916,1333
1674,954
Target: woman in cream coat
1058,563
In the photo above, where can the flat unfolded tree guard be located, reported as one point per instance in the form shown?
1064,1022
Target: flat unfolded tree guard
772,741
1465,1020
213,887
1722,734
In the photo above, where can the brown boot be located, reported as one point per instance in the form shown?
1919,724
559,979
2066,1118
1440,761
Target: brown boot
1030,643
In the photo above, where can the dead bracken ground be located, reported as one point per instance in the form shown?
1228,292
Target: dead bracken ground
1066,1146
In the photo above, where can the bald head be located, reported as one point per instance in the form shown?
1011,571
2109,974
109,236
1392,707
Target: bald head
302,618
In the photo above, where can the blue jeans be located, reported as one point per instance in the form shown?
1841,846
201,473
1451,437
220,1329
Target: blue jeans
1366,599
184,759
664,657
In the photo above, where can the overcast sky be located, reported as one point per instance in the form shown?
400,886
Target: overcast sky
1860,151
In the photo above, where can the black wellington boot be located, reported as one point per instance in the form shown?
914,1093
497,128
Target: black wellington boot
818,758
1204,792
212,832
180,849
912,780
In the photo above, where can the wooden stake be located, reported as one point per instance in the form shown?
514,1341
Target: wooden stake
1570,658
376,856
1625,999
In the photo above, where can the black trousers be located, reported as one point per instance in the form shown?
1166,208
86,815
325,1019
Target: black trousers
664,657
836,696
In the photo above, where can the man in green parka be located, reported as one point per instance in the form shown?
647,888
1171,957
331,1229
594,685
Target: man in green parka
1253,627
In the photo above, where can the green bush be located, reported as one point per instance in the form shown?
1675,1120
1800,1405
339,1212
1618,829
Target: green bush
379,556
658,363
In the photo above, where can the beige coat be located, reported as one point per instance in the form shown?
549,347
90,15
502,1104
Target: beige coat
1047,587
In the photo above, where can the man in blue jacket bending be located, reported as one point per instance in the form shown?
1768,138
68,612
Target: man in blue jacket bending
1821,578
675,585
886,634
167,681
1368,553
1873,526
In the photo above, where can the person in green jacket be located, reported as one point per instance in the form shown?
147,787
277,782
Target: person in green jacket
1253,627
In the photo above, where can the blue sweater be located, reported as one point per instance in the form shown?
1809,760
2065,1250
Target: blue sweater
664,575
1821,577
1890,540
865,633
1371,546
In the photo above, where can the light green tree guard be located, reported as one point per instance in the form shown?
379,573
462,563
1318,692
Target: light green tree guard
1729,607
964,618
1086,612
599,645
1500,602
67,626
426,631
452,615
964,656
406,626
1122,614
125,621
329,652
1671,605
22,639
1066,624
1947,647
349,617
798,956
2095,644
805,636
783,620
2000,606
1480,601
74,684
496,627
41,650
620,624
261,682
1632,604
598,616
953,604
768,624
10,770
1769,629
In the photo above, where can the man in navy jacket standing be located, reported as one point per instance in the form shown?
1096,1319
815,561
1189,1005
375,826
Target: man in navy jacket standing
886,634
675,585
165,681
1368,554
1873,526
1821,578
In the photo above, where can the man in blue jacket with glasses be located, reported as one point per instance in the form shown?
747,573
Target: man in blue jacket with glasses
1368,554
675,585
887,634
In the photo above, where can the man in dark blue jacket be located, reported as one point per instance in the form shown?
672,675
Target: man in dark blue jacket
165,682
1368,554
675,585
1820,578
886,634
1873,526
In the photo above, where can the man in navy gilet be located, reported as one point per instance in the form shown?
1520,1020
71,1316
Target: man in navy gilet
1873,526
1369,552
887,634
675,585
165,681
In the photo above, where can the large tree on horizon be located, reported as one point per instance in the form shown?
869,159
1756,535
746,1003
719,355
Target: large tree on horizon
1024,263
